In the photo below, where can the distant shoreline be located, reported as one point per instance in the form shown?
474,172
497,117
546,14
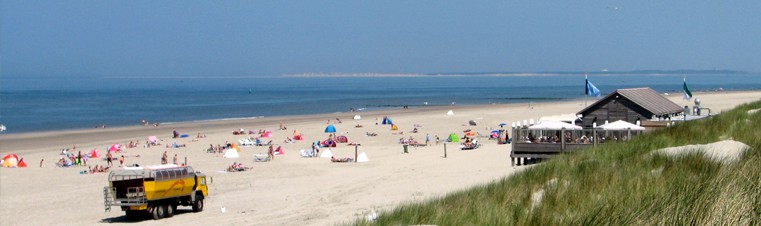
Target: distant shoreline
514,74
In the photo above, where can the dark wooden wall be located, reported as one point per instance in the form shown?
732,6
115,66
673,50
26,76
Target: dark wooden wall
614,109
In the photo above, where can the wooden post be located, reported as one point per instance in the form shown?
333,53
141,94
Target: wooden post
562,139
445,150
355,153
186,161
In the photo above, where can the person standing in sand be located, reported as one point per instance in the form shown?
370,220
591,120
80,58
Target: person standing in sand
121,161
164,158
315,149
108,159
271,152
175,159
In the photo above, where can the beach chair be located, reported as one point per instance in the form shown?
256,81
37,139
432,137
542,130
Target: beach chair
475,145
264,144
261,157
307,153
246,142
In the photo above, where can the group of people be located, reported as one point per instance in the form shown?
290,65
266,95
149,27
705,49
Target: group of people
469,143
145,123
97,169
165,159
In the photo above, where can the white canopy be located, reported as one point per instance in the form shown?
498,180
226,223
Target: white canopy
357,117
554,125
561,118
231,153
450,113
326,153
362,157
620,125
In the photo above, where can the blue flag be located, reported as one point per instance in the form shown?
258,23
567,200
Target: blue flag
591,90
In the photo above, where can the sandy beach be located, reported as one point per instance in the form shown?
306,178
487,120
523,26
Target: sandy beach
290,190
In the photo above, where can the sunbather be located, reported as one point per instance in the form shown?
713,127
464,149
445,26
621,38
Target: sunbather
334,159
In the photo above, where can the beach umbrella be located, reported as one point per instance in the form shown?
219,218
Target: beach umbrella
152,139
502,124
330,129
114,148
10,160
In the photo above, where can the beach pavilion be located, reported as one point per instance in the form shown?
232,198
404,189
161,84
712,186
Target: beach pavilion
632,105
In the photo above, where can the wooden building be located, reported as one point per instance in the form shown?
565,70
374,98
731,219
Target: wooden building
630,105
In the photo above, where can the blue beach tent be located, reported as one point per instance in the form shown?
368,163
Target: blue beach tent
387,121
330,129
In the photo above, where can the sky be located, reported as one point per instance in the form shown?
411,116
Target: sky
271,38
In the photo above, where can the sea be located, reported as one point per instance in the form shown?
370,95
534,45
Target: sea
32,104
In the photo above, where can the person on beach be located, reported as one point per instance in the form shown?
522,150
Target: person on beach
121,161
79,158
315,149
41,160
427,139
108,159
271,152
175,134
164,158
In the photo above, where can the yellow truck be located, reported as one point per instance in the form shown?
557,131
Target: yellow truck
156,190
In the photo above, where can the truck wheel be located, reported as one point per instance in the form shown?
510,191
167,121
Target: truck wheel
198,204
170,208
158,212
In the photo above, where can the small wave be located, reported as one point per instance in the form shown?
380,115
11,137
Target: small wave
531,98
213,120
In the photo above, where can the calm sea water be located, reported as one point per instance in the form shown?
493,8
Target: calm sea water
42,104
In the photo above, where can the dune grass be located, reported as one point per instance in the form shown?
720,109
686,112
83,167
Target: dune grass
617,184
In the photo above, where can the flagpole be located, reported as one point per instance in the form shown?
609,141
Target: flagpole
586,88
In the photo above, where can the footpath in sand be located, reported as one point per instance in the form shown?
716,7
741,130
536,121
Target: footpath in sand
290,190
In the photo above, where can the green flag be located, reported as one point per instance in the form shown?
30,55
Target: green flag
687,93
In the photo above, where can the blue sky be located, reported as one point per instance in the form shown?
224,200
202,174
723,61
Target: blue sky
265,38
